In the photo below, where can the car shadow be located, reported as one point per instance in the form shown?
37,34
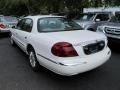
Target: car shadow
4,35
60,80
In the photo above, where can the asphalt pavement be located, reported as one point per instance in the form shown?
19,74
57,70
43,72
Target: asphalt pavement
16,74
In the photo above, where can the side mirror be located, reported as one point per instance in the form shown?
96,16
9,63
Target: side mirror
97,20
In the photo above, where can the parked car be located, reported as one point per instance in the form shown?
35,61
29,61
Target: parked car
111,29
6,22
90,21
60,45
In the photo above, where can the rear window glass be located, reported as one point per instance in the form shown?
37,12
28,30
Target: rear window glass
55,24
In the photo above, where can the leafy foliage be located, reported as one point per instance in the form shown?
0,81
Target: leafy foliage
25,7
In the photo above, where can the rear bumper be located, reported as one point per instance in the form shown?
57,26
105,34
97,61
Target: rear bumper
79,66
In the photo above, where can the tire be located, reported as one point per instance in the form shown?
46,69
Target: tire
34,64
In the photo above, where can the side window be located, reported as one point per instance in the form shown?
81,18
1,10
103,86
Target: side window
21,24
25,25
28,25
103,17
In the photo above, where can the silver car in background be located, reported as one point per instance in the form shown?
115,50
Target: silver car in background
111,29
7,22
90,21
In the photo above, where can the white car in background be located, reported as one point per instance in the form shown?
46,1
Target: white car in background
60,45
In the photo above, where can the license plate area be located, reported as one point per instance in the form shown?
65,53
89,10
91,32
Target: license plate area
94,48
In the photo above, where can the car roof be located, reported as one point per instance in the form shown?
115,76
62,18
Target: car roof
42,16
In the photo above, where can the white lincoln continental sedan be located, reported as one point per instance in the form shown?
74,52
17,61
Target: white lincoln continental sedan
60,45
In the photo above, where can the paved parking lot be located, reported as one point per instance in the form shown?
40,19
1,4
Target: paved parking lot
15,73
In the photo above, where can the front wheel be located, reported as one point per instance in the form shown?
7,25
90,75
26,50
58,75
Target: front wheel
12,42
33,61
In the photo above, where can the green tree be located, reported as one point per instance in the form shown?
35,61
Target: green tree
27,7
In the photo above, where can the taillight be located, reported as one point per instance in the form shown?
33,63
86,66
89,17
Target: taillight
64,49
2,26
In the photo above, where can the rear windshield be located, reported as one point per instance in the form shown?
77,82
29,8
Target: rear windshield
55,24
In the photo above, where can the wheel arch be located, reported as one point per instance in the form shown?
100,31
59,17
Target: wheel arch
91,29
29,47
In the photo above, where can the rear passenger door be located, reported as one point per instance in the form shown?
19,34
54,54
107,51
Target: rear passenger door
16,31
24,32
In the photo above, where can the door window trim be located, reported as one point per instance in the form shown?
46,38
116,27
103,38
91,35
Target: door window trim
24,24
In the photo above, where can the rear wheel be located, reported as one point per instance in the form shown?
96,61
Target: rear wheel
33,60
